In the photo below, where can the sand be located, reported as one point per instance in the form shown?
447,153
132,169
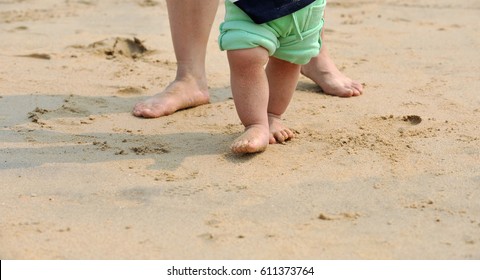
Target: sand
393,174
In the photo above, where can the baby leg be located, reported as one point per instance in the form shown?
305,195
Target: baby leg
250,94
282,80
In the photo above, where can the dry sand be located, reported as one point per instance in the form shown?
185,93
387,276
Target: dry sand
393,174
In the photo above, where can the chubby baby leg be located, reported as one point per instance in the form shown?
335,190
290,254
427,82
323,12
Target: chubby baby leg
282,79
250,94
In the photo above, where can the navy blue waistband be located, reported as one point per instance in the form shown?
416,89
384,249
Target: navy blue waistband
261,11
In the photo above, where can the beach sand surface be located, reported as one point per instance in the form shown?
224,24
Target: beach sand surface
392,174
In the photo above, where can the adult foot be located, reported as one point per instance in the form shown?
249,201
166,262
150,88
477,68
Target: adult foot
253,140
279,133
323,71
180,94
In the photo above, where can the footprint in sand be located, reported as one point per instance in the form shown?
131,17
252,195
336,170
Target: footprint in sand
116,47
412,119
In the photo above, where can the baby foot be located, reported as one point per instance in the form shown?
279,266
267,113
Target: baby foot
279,133
253,140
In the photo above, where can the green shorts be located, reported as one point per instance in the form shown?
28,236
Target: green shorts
294,38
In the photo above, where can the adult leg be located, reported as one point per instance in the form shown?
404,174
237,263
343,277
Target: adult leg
250,93
323,71
190,24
